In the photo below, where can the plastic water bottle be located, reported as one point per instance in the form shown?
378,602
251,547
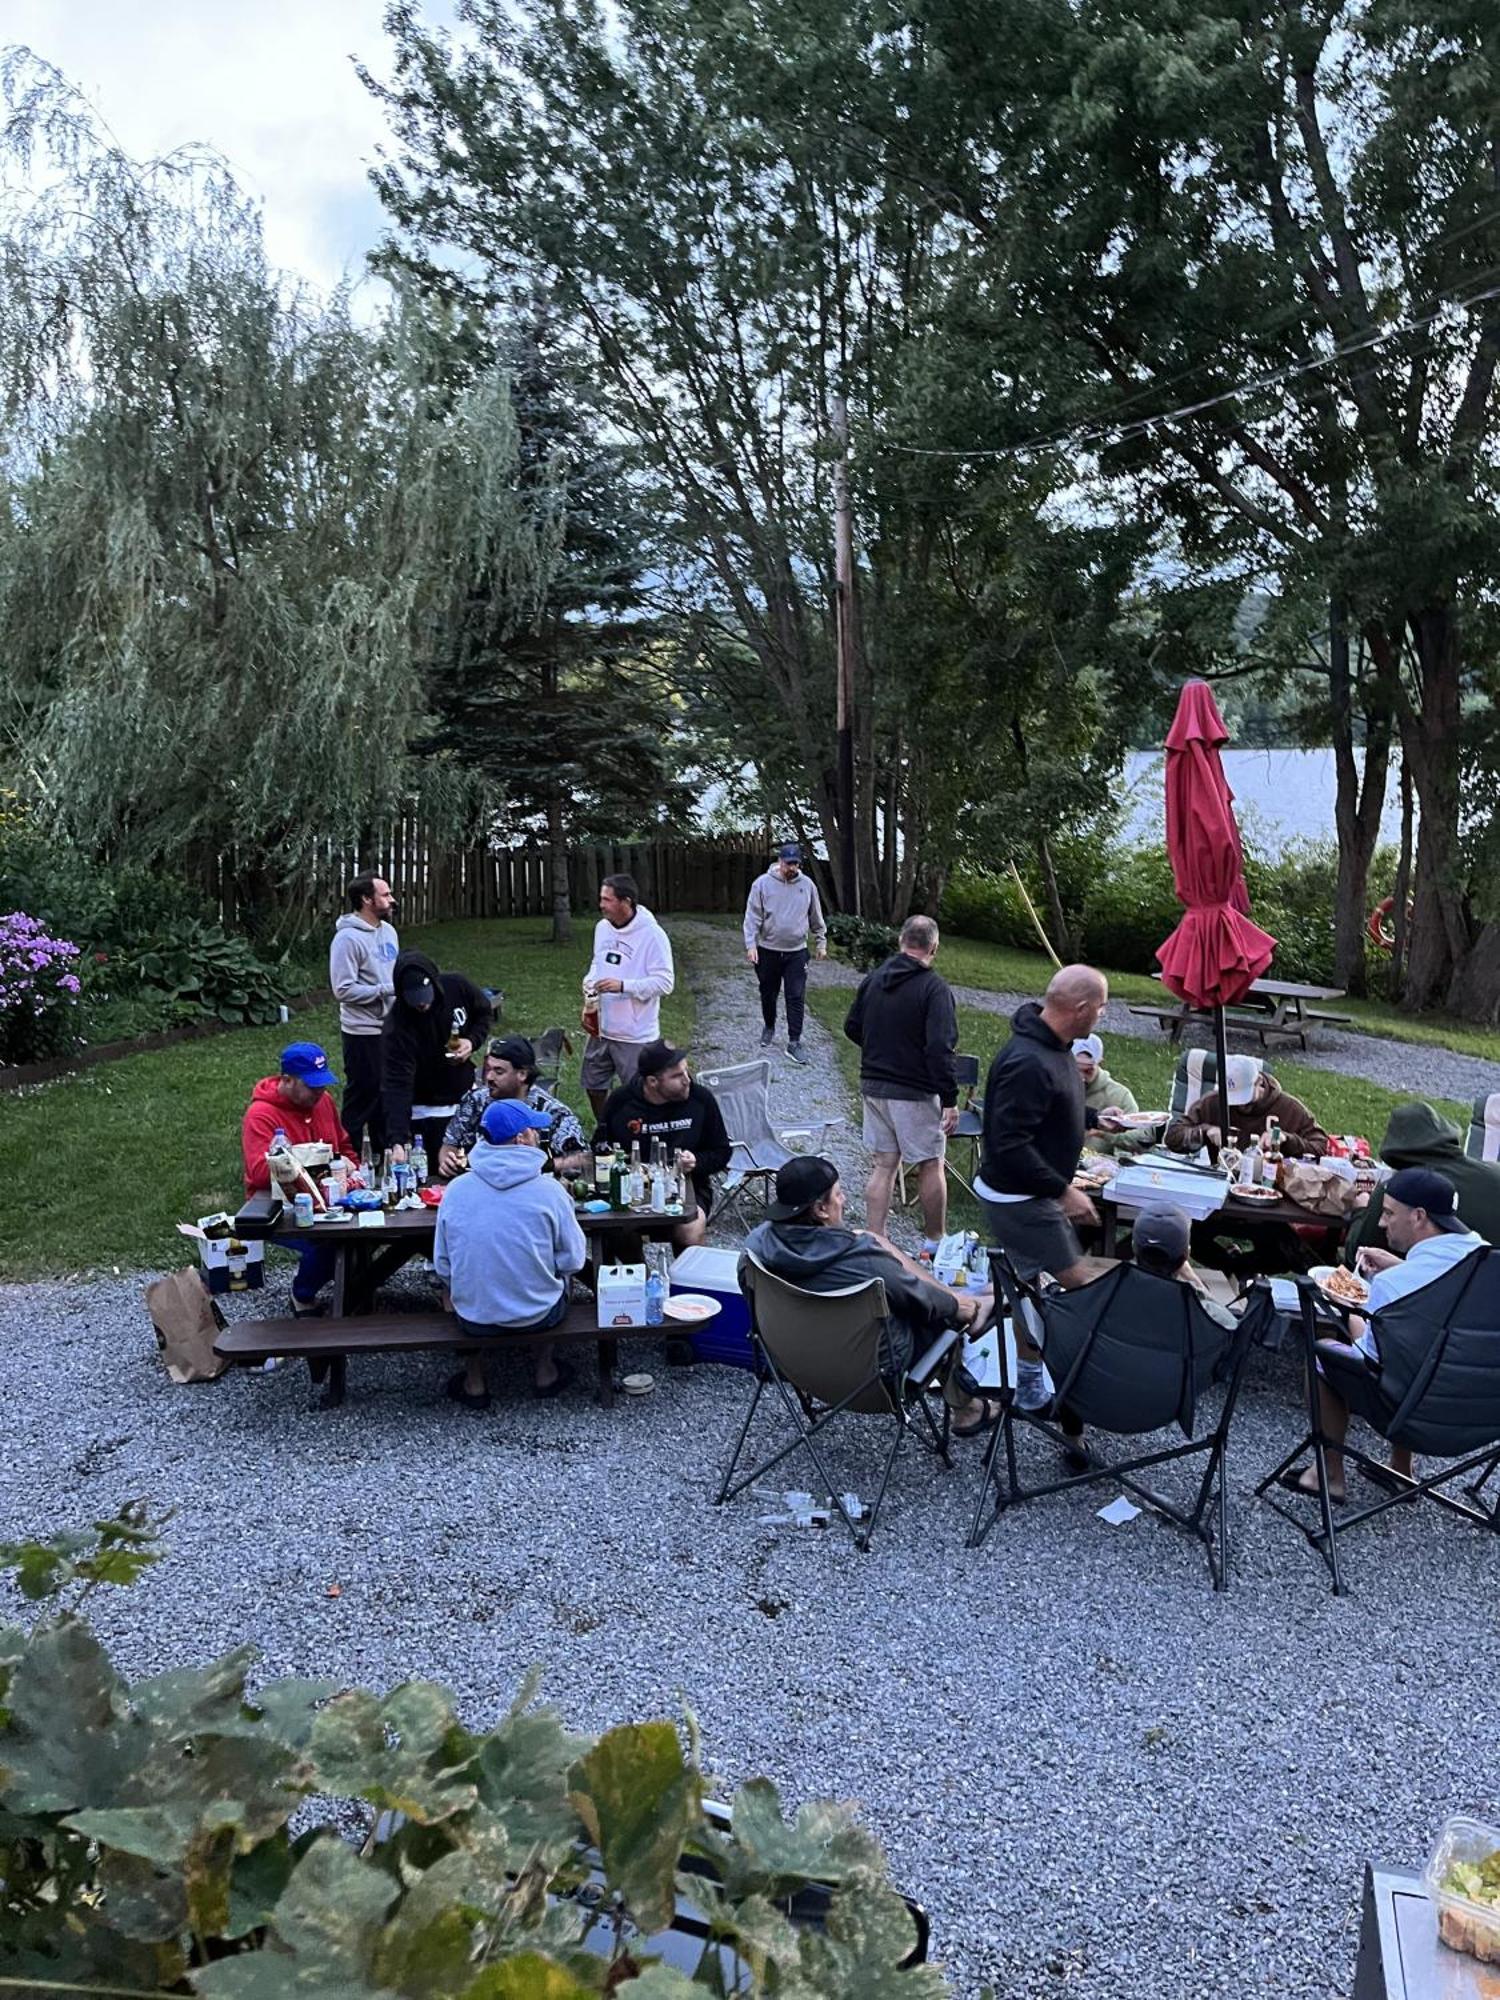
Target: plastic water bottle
419,1163
655,1297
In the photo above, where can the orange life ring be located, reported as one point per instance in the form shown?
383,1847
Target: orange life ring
1380,933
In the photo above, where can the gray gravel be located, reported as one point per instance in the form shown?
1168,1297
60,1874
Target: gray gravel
1417,1069
1101,1779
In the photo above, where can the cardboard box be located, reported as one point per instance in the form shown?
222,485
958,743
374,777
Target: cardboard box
621,1295
1140,1184
230,1265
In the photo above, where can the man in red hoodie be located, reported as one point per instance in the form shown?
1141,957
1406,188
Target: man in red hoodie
295,1102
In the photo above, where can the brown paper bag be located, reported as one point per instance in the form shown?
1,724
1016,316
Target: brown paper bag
186,1321
1321,1188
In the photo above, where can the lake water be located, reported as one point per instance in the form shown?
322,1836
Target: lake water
1279,795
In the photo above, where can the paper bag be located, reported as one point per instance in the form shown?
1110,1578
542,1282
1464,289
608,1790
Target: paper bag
1324,1186
187,1322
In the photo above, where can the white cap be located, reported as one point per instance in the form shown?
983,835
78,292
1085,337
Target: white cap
1240,1076
1090,1046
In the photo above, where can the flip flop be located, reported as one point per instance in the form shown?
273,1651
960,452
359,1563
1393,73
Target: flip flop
1388,1481
564,1377
1290,1479
993,1411
454,1387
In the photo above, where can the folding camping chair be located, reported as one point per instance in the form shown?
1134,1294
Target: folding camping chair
757,1149
1196,1073
1435,1391
1483,1142
551,1046
1129,1354
826,1355
970,1127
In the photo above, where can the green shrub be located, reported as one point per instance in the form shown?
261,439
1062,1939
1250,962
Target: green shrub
106,908
980,904
146,1838
202,970
861,941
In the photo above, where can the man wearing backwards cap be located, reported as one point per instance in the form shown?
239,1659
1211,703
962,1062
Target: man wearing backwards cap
436,1022
1419,1214
510,1072
662,1101
507,1242
1109,1098
782,912
296,1102
807,1243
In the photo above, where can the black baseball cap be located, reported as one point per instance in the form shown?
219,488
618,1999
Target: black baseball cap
1164,1231
1426,1188
417,990
514,1049
657,1056
800,1183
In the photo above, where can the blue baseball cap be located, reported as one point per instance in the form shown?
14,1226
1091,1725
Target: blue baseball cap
789,851
508,1117
307,1062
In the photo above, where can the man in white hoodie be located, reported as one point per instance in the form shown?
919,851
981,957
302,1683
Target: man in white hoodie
361,961
629,976
507,1243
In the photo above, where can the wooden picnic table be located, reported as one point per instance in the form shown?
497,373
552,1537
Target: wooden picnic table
1279,1009
1245,1215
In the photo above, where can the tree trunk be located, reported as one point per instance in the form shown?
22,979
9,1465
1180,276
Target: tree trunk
1475,991
1062,937
557,863
1441,934
1356,809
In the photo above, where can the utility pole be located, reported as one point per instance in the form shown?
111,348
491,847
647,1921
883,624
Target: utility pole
846,637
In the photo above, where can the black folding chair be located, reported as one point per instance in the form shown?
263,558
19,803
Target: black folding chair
1435,1392
829,1354
1129,1354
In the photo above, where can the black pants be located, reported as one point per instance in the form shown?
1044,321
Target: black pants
361,1108
775,969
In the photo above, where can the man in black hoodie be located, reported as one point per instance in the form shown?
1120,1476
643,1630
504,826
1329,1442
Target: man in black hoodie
663,1101
430,1034
905,1023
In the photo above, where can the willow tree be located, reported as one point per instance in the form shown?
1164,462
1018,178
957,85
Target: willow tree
233,517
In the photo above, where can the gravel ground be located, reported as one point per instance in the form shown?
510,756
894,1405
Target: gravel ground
1415,1068
1102,1780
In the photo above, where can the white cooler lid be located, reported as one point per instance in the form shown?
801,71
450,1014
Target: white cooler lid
704,1269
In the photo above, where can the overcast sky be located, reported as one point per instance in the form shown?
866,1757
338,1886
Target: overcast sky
271,86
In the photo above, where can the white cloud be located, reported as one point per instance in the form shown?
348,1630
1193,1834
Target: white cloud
271,86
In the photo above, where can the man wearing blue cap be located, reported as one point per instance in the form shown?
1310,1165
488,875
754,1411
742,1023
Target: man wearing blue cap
297,1102
1420,1218
507,1243
783,911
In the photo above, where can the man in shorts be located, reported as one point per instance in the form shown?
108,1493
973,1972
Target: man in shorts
629,976
906,1025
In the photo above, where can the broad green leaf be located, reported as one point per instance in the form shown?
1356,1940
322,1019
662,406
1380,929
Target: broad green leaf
858,1956
70,1742
273,1975
823,1844
334,1905
196,1701
354,1756
639,1799
529,1976
289,1708
428,1945
522,1768
257,1881
141,1900
159,1834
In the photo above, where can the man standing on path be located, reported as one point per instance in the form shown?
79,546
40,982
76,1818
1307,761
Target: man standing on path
782,912
361,962
629,976
906,1025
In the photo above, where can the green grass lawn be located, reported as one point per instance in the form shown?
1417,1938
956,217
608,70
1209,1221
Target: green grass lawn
100,1165
999,969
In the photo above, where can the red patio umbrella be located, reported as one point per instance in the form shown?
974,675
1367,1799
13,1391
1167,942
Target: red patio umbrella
1216,952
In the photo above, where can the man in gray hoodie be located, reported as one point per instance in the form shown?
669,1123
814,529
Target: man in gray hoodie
781,914
507,1243
361,961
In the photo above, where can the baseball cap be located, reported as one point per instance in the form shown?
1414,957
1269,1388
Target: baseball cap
790,851
1090,1046
514,1049
1240,1074
417,990
1425,1187
800,1183
509,1117
1164,1230
307,1062
657,1056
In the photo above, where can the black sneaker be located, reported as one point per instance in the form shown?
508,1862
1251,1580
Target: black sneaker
796,1053
767,1036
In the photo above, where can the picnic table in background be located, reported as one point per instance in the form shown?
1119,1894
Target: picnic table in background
1280,1009
367,1253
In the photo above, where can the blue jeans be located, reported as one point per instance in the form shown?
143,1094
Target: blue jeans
315,1267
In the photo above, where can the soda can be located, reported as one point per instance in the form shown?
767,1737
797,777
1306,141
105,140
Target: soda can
302,1209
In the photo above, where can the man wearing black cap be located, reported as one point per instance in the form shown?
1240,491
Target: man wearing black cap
662,1101
782,912
807,1243
436,1021
509,1073
1419,1214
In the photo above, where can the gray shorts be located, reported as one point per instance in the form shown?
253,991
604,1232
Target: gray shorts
604,1061
910,1126
1035,1234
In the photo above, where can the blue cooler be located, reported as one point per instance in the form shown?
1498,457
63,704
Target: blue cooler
726,1337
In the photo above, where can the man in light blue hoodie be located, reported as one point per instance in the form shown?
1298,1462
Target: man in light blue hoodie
507,1243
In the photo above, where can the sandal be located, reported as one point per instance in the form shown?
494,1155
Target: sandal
1291,1482
564,1377
455,1388
993,1411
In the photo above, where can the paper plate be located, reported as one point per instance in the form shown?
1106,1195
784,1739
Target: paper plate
1257,1197
1321,1273
691,1306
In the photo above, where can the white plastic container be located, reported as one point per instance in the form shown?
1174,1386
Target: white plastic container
1463,1924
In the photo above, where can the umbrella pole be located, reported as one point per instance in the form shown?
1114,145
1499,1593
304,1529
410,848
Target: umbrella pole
1221,1050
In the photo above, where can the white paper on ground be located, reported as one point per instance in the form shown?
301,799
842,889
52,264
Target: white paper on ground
1118,1511
1284,1296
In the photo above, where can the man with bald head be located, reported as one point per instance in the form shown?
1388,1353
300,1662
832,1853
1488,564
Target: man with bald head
1034,1122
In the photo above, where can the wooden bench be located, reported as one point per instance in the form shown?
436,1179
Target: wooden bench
1174,1020
326,1344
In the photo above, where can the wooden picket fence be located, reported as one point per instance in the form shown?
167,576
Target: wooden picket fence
436,882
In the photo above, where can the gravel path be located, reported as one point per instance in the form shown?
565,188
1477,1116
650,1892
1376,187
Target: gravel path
1416,1069
1103,1781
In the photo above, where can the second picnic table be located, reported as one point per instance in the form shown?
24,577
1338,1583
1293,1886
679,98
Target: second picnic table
1280,1009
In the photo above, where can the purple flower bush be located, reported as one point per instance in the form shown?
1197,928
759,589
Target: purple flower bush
39,987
